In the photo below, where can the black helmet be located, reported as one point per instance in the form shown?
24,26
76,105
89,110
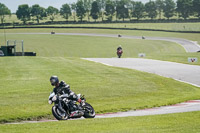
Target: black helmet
54,80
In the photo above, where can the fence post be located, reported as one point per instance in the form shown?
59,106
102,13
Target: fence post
22,48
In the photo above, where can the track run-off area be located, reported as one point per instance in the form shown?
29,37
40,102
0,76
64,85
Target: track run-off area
181,72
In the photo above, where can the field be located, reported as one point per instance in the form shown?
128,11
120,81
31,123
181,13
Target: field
186,27
25,83
148,26
153,26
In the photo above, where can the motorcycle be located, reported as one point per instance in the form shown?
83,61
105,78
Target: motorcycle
119,53
82,109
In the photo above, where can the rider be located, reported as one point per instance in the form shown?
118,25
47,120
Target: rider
63,88
119,51
119,48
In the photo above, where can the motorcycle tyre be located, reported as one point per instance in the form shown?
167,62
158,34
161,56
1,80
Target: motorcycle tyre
119,55
87,115
56,115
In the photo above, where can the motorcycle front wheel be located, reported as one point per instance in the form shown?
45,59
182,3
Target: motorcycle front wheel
119,55
57,114
89,111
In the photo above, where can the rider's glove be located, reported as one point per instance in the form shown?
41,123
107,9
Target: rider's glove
79,100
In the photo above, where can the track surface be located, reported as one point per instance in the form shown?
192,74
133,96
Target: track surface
189,46
181,72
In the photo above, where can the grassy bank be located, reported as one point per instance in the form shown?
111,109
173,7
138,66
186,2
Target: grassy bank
25,86
195,27
176,123
24,81
86,46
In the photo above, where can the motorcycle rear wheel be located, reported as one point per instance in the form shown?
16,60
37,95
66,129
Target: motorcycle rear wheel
89,111
57,114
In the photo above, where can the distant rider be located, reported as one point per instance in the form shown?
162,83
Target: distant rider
63,88
119,51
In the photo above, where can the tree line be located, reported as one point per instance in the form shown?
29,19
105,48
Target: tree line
120,9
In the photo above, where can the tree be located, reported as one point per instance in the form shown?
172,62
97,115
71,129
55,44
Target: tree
88,6
65,11
160,6
102,5
52,12
23,13
110,9
80,10
4,11
73,7
95,11
122,10
169,8
129,5
184,8
196,7
151,8
38,12
138,10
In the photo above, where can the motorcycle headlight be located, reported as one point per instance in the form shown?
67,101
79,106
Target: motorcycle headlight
54,98
50,102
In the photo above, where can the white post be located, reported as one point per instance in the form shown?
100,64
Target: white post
22,48
15,47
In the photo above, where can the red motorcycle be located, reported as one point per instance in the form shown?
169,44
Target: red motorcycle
119,53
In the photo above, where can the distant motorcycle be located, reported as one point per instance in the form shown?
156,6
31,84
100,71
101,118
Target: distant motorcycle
83,109
119,53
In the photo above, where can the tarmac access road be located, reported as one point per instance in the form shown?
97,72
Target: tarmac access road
189,106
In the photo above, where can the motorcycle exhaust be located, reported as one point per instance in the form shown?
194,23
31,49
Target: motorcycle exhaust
77,114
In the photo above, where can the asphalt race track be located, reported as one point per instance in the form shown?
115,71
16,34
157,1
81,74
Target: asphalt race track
181,72
189,46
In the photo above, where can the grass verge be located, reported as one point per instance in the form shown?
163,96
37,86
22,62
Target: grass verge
86,46
176,123
25,86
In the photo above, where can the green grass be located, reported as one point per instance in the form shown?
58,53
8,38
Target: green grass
152,26
148,26
25,83
25,86
86,46
156,26
176,123
190,36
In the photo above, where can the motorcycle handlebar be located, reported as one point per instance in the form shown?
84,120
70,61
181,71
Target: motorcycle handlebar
64,96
